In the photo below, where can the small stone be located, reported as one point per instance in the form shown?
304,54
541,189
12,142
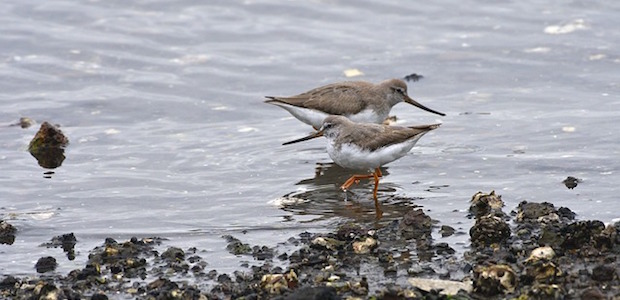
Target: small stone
173,254
313,293
415,225
7,233
593,293
494,279
545,253
571,182
447,287
365,246
446,230
327,243
46,264
413,77
603,273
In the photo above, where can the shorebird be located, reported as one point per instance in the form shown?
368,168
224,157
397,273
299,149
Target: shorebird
359,101
366,146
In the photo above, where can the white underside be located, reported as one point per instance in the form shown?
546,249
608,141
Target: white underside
353,157
311,117
315,118
368,116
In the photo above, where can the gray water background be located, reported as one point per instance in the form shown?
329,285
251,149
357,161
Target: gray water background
162,102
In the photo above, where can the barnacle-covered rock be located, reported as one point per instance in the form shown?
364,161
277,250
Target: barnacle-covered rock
7,233
46,264
416,225
494,279
541,253
483,204
489,230
327,243
278,283
365,246
48,146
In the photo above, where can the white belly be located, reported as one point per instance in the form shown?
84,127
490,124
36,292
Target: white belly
353,157
311,117
368,116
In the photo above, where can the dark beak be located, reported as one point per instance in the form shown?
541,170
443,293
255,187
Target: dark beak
314,135
416,104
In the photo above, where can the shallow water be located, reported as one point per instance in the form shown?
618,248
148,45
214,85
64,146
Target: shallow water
169,137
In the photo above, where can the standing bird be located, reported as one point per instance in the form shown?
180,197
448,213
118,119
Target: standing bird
359,101
365,146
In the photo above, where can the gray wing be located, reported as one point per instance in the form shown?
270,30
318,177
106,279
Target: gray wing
333,99
375,136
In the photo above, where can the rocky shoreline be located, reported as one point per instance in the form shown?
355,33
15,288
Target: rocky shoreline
536,251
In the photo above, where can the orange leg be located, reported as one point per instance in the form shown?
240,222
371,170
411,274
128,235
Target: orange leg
356,178
377,174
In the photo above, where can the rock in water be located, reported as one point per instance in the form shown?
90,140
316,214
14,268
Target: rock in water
48,146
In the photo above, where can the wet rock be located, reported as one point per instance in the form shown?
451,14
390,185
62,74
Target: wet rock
605,272
46,290
415,225
7,233
46,264
99,297
593,293
581,233
236,247
546,291
609,238
541,253
551,235
489,230
543,272
571,182
312,293
9,283
365,246
66,242
494,279
413,77
327,243
446,231
484,204
566,213
48,145
173,254
531,211
278,283
126,259
361,287
24,122
445,287
394,291
163,288
326,266
443,249
350,231
262,252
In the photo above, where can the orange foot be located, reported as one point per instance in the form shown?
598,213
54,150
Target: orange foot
356,179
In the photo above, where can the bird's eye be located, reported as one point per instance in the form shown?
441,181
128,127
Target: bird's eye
399,90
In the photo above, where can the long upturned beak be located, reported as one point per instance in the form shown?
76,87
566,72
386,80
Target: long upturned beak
314,135
416,104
